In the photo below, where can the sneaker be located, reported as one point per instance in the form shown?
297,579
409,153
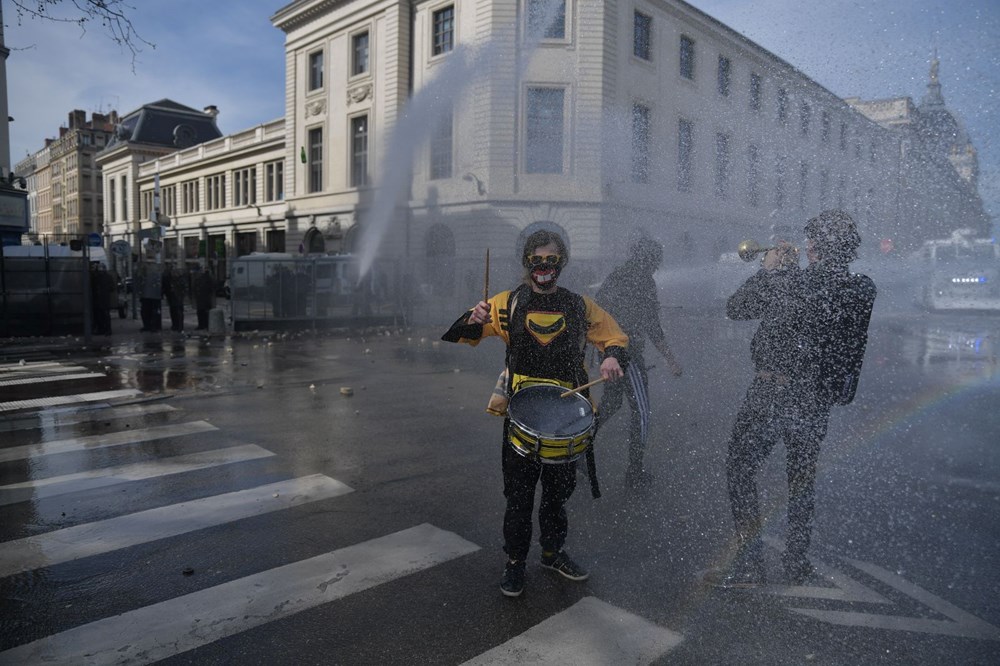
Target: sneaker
512,583
737,577
562,563
798,568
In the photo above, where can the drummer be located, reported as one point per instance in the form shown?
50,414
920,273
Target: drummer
545,328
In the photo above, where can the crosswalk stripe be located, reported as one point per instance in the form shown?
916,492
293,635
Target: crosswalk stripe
22,381
104,536
29,365
171,627
53,419
52,401
105,440
40,370
590,631
100,478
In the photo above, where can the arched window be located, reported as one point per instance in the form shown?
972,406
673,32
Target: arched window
314,242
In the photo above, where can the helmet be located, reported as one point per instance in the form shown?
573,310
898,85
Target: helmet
647,253
834,235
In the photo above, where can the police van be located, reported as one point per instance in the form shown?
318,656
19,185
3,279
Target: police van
963,273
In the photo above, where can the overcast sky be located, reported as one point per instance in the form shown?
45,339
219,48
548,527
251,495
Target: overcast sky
227,53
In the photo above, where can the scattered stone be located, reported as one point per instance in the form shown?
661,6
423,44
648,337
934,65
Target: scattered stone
346,390
187,571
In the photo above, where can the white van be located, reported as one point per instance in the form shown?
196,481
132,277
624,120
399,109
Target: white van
964,273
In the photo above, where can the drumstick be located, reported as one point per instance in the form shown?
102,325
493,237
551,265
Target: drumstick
570,392
486,278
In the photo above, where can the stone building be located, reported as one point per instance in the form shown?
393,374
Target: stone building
64,180
425,132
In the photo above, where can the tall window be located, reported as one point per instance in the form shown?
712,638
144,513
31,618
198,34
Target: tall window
640,143
245,187
824,124
546,19
359,53
803,184
544,130
642,36
824,188
315,70
756,89
124,182
274,181
685,154
112,198
168,200
843,136
721,164
443,36
215,192
190,202
359,151
782,105
805,116
441,147
723,76
753,175
146,205
316,159
687,57
779,182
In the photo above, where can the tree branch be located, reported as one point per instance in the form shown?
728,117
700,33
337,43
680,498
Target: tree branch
111,14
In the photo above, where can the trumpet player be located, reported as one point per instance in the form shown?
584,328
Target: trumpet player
807,354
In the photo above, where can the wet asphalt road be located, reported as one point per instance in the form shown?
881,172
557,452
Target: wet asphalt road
907,521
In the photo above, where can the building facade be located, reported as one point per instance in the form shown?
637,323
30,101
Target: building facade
425,132
64,180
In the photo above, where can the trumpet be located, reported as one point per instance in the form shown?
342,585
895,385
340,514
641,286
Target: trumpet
751,249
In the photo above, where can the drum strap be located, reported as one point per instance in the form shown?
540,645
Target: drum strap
595,488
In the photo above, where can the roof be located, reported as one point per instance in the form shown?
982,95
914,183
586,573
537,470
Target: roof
165,123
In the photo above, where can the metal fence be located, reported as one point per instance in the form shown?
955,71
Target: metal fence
282,291
43,295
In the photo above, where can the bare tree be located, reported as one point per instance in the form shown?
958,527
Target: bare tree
112,15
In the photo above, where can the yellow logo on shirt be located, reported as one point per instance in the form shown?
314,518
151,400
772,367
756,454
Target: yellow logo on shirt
545,326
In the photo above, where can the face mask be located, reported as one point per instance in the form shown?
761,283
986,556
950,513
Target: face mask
545,270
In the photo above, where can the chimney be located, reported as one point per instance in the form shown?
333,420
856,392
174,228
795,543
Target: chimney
212,111
77,119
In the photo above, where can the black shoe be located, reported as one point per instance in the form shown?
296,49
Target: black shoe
512,583
738,577
798,568
564,564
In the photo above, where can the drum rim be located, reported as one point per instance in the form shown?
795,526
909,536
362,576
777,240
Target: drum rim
533,432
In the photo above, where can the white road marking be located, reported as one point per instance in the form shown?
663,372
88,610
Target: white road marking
171,627
67,399
588,632
31,365
960,622
51,418
104,440
105,536
109,476
20,381
847,589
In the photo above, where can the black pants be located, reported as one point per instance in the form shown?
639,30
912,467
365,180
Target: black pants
176,314
520,476
202,319
636,387
770,412
152,319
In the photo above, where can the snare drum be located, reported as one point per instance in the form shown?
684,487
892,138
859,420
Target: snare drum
547,427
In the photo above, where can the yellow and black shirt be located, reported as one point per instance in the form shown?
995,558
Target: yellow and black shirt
545,334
